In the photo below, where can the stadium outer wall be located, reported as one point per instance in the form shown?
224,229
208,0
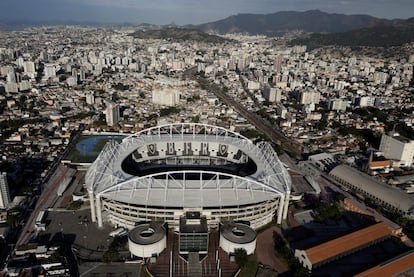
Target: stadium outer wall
262,195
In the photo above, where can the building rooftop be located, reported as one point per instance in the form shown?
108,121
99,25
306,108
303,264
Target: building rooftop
237,233
106,175
347,243
401,264
380,163
147,233
193,222
402,139
388,194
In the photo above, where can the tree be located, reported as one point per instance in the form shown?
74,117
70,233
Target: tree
111,255
326,211
296,268
278,240
196,119
169,111
241,256
280,245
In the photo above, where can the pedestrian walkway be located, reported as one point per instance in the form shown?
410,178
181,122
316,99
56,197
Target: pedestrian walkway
194,265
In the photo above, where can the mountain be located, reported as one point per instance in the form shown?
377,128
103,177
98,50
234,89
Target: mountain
377,36
313,21
175,33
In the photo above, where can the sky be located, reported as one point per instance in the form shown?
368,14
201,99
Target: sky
183,12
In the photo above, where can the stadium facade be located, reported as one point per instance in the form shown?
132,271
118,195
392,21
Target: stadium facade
161,173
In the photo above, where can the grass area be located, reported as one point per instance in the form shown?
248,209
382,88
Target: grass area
250,268
75,205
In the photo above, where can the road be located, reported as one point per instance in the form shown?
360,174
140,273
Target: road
55,175
46,200
275,135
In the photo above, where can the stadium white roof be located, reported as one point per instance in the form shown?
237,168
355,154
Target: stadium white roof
106,178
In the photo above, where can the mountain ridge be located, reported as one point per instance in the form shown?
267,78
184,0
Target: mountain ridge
312,21
387,35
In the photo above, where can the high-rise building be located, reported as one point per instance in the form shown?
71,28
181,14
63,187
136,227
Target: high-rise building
272,94
338,105
4,191
365,101
29,67
112,113
90,98
50,71
166,96
308,97
397,148
11,77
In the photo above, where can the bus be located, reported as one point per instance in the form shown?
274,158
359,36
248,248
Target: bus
40,224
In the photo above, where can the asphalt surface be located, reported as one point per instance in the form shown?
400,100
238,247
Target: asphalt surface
105,270
47,200
77,229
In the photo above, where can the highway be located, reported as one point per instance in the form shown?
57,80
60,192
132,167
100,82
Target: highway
272,132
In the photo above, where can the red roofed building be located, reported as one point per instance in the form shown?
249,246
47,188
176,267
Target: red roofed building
332,250
402,265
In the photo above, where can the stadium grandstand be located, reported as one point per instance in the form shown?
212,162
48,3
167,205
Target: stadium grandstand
164,172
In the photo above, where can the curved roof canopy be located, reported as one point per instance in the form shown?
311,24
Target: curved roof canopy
105,178
390,195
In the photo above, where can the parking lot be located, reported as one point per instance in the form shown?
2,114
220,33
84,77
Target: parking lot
113,270
75,227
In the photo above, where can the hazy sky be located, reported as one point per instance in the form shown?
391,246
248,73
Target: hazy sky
188,11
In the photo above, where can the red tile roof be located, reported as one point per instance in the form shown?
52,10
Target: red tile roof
347,243
392,267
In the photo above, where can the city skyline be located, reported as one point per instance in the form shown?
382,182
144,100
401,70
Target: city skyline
187,11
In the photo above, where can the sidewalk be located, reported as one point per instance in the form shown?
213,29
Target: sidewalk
265,250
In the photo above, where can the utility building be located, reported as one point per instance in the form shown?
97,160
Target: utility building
397,148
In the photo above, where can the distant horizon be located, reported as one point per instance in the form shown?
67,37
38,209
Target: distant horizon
186,12
86,21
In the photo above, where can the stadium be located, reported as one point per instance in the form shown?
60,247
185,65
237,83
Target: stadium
164,172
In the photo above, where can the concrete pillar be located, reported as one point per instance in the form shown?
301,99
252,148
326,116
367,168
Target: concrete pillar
286,205
99,211
93,208
280,209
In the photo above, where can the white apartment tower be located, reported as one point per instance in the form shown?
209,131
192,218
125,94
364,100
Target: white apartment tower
272,94
4,191
166,96
309,97
397,148
90,98
112,113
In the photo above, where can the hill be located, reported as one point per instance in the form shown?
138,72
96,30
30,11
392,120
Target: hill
178,34
313,21
378,36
